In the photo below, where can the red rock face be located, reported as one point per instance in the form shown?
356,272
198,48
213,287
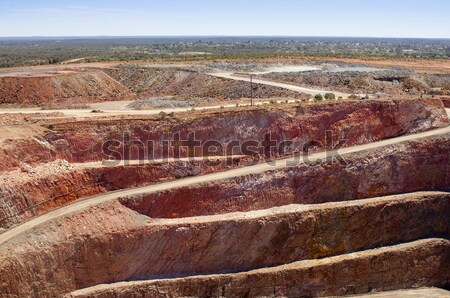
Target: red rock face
22,201
413,265
29,151
24,90
446,102
80,142
357,122
413,166
145,237
111,243
42,90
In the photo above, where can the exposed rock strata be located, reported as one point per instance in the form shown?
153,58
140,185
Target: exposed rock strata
416,264
38,194
356,122
111,243
407,167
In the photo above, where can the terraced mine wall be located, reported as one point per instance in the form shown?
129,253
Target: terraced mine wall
411,265
189,231
290,128
354,122
407,167
127,246
23,200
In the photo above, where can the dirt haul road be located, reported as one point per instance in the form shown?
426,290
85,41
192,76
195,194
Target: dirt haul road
256,169
229,75
119,108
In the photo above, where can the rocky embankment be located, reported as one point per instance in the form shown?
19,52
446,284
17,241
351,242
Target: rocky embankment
407,167
34,191
111,243
83,87
388,82
354,122
187,83
446,102
83,141
292,217
415,264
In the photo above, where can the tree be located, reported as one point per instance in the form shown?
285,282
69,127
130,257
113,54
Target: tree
318,97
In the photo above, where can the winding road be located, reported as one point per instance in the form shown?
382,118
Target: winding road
238,172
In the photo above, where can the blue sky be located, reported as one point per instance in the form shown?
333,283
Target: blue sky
373,18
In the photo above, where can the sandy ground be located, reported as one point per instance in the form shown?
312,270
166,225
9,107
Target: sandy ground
119,108
239,172
419,65
77,67
304,68
286,68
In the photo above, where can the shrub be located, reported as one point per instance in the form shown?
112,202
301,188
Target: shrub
162,114
318,97
330,96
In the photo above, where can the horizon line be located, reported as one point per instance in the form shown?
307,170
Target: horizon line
211,36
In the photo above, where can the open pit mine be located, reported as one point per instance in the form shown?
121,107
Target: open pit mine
163,181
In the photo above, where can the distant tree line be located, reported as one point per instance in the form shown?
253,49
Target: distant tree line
20,52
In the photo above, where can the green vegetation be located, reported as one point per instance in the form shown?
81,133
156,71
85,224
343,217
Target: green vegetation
38,51
330,96
318,97
162,115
